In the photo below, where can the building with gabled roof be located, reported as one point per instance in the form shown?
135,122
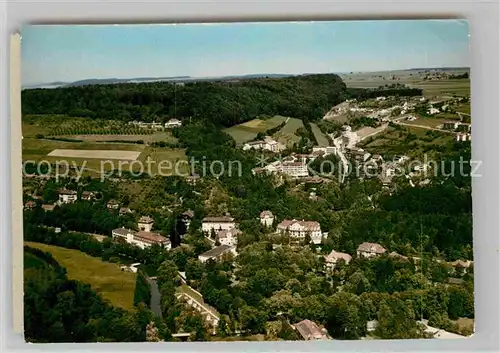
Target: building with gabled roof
67,196
145,223
141,239
334,256
310,331
173,123
218,252
228,236
113,205
217,223
298,229
370,249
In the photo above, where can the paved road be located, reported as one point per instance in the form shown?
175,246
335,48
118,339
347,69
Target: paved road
155,297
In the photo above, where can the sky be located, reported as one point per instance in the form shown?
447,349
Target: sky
75,52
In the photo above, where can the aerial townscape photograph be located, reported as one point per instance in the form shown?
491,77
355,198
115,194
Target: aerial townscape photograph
257,181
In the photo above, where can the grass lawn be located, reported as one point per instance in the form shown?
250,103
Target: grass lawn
287,134
247,131
106,278
320,136
465,322
172,158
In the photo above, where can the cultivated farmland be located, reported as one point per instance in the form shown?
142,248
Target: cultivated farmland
320,136
91,154
106,278
247,131
120,138
95,154
411,78
287,135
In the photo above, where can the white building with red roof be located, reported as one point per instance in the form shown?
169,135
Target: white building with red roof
334,257
299,229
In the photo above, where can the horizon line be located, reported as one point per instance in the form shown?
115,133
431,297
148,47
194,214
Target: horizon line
180,77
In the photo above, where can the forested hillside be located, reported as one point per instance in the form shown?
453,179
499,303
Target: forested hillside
57,309
225,103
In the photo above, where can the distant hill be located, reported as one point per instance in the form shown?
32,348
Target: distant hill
180,79
440,69
225,101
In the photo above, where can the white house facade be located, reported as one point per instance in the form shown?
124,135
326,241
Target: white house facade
217,223
67,196
228,237
173,123
141,239
299,229
266,218
145,223
334,257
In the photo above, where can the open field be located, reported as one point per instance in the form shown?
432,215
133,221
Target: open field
411,141
247,131
464,108
38,149
412,78
465,322
106,278
368,131
287,135
88,129
444,87
430,122
320,136
90,155
170,159
95,154
155,137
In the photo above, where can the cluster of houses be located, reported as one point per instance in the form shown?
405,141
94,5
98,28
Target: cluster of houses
170,124
144,237
267,144
226,232
294,165
370,250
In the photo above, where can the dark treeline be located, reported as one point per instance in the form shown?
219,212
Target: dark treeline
57,309
465,75
226,103
142,293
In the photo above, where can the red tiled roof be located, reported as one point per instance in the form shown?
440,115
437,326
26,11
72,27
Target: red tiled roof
310,331
308,225
150,237
334,256
369,247
223,219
